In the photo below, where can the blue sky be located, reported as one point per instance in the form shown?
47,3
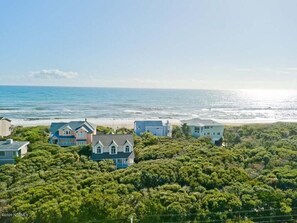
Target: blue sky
213,44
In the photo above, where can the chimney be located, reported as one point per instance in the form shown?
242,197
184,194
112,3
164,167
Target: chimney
86,119
9,141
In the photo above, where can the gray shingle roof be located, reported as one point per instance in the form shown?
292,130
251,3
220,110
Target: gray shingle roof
119,155
4,145
74,125
201,122
119,139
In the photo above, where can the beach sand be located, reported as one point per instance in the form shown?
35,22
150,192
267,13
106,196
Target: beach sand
129,123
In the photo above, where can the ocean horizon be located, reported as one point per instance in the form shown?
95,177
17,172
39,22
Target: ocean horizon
43,104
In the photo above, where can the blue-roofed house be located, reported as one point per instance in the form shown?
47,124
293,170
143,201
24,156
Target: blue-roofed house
72,133
119,148
10,149
156,127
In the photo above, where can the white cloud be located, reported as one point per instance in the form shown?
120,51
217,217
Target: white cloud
54,74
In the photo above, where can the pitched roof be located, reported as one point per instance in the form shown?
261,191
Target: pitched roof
3,118
150,122
119,139
120,155
74,125
14,146
201,122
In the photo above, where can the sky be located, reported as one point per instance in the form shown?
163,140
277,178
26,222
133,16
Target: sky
200,44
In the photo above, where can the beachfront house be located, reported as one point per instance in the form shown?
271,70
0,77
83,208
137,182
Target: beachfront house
157,128
119,148
5,127
206,127
72,133
10,149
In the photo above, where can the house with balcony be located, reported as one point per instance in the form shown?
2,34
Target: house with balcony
207,128
119,148
72,133
155,127
11,149
5,127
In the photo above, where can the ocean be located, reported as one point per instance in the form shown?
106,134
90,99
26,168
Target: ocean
29,104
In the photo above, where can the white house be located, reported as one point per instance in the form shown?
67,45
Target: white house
205,127
10,149
119,148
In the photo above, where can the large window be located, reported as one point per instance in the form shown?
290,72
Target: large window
99,150
127,149
197,129
113,150
2,153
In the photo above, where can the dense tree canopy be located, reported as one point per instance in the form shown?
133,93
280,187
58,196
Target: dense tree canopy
252,178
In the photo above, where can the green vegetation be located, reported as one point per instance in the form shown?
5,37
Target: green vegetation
252,179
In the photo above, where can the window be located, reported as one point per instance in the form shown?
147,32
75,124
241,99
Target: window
214,133
197,129
127,149
66,132
219,133
81,134
113,150
206,127
208,133
2,153
99,149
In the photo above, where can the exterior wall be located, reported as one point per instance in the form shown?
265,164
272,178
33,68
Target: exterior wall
81,134
194,132
156,130
8,158
214,132
123,162
161,130
106,149
66,142
62,134
5,128
23,150
89,138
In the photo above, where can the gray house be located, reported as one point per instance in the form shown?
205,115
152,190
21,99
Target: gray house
156,127
10,149
119,148
206,127
5,127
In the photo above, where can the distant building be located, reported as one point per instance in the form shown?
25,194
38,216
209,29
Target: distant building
205,127
119,148
157,128
5,127
72,133
10,149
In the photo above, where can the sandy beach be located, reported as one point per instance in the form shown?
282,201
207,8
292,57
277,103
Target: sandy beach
129,123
